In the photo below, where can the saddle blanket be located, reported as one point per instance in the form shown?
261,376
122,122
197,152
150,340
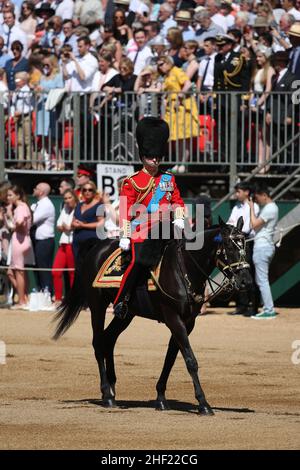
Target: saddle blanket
111,272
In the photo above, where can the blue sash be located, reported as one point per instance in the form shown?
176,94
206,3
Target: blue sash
159,193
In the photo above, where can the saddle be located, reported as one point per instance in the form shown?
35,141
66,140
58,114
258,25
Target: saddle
111,272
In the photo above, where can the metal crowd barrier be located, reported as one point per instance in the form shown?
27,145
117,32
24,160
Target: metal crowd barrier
224,132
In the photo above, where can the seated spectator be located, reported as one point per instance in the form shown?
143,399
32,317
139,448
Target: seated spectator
18,64
19,222
64,257
54,36
28,21
86,221
64,8
47,126
4,56
165,18
208,29
264,225
70,38
21,109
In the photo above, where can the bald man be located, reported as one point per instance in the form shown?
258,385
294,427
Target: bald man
43,234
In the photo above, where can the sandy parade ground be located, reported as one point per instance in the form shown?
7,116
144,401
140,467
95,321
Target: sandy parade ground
49,391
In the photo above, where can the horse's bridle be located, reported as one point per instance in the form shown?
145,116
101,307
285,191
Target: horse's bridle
238,265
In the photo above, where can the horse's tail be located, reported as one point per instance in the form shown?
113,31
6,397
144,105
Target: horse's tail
76,299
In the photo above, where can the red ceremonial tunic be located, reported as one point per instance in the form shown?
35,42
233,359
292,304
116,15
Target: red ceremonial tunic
137,191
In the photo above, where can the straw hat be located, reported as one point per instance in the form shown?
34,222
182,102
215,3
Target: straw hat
295,30
183,15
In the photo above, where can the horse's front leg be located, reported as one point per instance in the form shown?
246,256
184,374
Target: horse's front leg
111,334
179,331
98,318
161,386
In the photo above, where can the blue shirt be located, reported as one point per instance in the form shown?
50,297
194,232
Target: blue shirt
21,66
3,59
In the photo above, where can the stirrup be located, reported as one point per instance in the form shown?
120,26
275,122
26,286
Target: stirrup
121,310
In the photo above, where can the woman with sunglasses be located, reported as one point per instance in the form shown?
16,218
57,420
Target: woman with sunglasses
122,32
28,21
15,65
86,221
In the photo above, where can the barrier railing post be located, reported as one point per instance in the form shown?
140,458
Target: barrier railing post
2,142
233,139
76,133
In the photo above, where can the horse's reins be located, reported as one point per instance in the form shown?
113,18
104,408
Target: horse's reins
226,283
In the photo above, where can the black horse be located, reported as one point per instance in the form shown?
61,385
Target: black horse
176,303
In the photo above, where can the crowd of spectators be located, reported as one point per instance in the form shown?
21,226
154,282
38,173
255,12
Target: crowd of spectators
175,46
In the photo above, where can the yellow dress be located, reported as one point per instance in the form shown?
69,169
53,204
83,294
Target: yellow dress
182,117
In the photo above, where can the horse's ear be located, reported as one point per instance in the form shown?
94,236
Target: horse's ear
221,222
240,223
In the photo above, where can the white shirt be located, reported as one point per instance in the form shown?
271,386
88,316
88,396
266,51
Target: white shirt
22,101
139,58
4,94
295,13
220,20
64,8
281,74
243,210
265,234
169,23
89,65
209,77
66,218
15,34
43,218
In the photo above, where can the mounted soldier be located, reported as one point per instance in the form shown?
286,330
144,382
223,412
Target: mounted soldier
154,194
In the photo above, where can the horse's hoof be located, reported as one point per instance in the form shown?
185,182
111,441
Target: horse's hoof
162,405
109,403
205,410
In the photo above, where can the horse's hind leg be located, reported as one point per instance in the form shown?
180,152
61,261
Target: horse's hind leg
98,310
179,331
111,334
173,348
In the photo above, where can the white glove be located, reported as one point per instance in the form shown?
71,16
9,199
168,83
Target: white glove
124,244
179,223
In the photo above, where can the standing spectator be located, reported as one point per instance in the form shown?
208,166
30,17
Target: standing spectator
80,72
294,63
264,225
64,257
190,67
86,221
261,85
147,86
84,175
28,21
21,109
43,236
243,191
11,32
205,82
21,247
47,121
181,110
4,231
122,32
175,39
143,53
18,64
66,184
165,18
184,20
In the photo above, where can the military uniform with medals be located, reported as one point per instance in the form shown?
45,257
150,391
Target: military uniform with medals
147,204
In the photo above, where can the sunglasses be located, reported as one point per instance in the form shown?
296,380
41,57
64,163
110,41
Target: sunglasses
87,190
